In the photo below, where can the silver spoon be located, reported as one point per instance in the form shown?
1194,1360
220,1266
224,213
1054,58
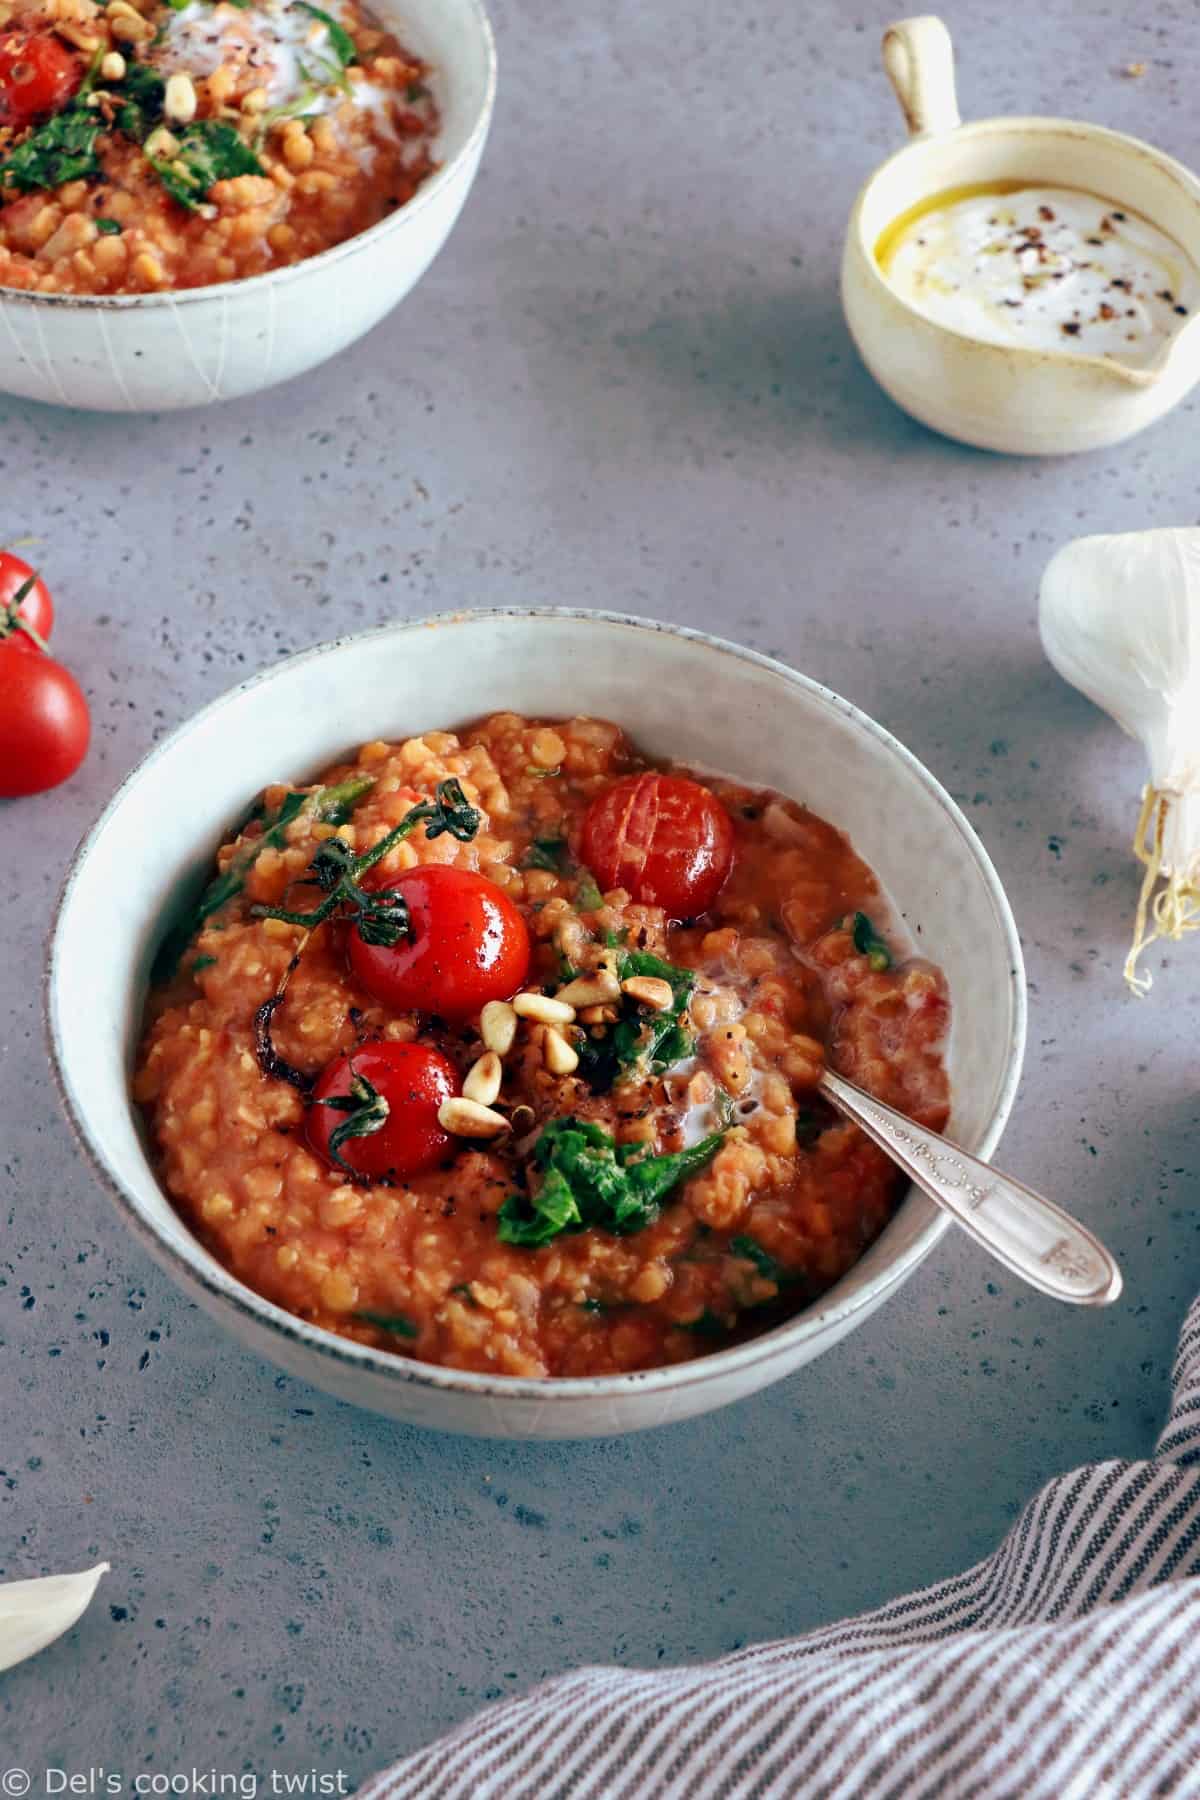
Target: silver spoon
1031,1236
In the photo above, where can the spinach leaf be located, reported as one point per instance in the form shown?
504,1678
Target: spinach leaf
63,149
658,1039
142,91
587,1179
393,1322
327,805
553,854
868,943
548,853
753,1252
340,41
108,227
209,151
588,897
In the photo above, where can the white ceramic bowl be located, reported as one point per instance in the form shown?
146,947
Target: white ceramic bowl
999,397
157,352
681,695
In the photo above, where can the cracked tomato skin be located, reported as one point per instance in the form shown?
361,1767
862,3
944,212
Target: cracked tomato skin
414,1079
38,74
468,945
663,838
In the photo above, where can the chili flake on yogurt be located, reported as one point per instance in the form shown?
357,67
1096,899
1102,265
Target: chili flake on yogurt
1048,268
148,145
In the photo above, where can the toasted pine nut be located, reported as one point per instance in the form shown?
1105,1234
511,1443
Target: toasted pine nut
557,1054
591,990
179,99
256,100
162,143
129,30
112,66
544,1010
465,1118
650,990
483,1079
498,1026
79,36
598,1015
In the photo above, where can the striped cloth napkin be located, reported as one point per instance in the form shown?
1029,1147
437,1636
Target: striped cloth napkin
1064,1667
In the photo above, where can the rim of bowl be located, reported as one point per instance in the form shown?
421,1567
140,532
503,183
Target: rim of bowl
348,248
1038,124
217,1282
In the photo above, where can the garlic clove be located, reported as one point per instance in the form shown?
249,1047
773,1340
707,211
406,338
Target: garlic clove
34,1613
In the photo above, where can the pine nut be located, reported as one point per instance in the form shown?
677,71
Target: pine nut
543,1009
498,1026
599,1015
162,143
465,1118
483,1079
650,990
591,990
179,99
112,66
256,100
559,1057
129,30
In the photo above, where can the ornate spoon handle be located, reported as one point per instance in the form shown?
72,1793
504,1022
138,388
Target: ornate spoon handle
1031,1236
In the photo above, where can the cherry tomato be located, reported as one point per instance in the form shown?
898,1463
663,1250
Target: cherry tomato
468,944
664,838
44,722
38,74
37,607
412,1080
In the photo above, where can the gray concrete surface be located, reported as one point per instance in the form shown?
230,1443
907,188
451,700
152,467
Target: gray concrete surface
626,382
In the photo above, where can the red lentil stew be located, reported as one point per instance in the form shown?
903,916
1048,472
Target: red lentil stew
499,1049
151,145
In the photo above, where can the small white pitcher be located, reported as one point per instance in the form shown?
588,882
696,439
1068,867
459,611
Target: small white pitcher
1000,397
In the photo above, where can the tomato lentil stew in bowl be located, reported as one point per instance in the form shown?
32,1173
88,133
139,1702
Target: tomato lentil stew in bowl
533,1091
199,198
476,1081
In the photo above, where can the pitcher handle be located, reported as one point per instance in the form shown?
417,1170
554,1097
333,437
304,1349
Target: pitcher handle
918,58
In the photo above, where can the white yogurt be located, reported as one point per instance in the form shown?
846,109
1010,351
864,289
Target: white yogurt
281,49
1044,267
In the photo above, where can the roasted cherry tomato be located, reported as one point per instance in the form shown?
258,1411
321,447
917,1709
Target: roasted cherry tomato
467,945
38,74
44,722
395,1090
36,608
664,838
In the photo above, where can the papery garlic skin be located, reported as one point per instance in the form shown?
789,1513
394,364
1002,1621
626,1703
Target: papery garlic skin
34,1613
1120,620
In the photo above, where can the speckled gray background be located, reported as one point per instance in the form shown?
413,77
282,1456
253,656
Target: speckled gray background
626,382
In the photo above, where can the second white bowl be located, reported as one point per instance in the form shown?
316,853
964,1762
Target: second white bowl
159,352
681,695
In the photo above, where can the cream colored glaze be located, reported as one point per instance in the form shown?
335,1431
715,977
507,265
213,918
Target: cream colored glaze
1048,268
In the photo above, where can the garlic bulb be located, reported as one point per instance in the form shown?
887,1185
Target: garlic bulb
1120,620
34,1613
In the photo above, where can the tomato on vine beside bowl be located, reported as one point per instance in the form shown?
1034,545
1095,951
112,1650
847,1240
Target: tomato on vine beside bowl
45,725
